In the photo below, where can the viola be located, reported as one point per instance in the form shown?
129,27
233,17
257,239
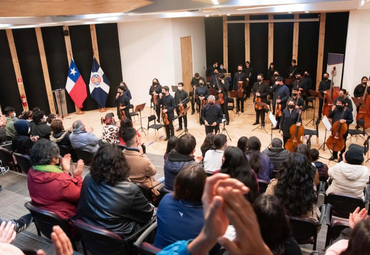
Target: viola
165,117
364,110
258,99
155,99
122,112
278,110
336,142
221,98
296,132
181,108
204,102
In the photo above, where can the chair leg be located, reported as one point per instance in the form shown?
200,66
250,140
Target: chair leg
84,247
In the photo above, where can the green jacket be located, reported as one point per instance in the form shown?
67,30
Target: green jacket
9,129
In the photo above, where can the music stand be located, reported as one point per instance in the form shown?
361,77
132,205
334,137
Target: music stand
264,107
182,115
314,94
174,88
223,131
139,108
233,93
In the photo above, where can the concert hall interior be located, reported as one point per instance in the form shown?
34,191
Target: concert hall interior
84,78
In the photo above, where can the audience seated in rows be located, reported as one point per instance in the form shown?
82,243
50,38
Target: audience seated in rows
21,142
108,199
2,128
207,144
213,157
260,163
303,149
125,123
180,214
26,115
142,169
274,225
237,166
321,167
295,187
178,158
276,152
59,135
110,133
82,138
52,187
51,117
349,176
10,115
242,144
171,144
40,128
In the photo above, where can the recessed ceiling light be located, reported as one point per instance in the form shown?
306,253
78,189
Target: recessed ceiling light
290,12
307,12
228,14
5,25
215,2
207,15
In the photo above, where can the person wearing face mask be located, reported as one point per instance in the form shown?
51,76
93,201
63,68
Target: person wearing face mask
122,102
323,87
10,115
281,91
271,71
343,96
181,99
260,90
40,129
212,116
223,88
296,95
302,84
222,69
307,78
240,77
289,118
168,106
201,93
336,114
155,90
360,88
249,72
194,84
214,78
211,69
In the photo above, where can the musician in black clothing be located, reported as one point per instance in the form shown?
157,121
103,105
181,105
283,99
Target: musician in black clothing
212,116
240,77
249,72
122,102
211,68
214,78
339,113
222,69
194,84
289,118
302,84
360,88
223,88
281,91
260,90
168,107
343,96
271,71
293,69
201,93
155,90
323,87
181,99
298,101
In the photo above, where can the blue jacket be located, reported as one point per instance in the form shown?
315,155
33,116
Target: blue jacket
84,141
173,165
266,167
177,220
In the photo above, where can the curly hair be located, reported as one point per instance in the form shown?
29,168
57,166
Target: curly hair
109,165
254,147
295,187
43,152
125,123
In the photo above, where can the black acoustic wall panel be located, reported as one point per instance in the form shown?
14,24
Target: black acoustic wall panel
9,94
110,58
214,40
259,45
308,45
30,63
283,44
236,44
56,56
335,34
83,57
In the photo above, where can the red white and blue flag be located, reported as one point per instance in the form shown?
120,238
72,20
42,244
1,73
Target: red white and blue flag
99,84
75,85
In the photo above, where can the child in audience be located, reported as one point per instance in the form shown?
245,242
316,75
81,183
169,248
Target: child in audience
321,167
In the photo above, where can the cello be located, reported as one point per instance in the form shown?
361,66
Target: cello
364,110
296,132
336,142
329,97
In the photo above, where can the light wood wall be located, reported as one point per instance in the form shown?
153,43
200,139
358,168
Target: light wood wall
320,56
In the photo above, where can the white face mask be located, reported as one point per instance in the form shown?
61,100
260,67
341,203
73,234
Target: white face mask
179,88
14,114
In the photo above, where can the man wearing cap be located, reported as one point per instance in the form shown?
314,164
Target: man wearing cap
349,176
281,95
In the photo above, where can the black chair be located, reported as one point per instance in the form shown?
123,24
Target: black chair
68,150
357,132
143,243
146,191
23,161
86,156
154,126
304,230
6,159
148,249
7,145
343,205
311,133
335,225
230,104
45,220
163,191
133,113
262,185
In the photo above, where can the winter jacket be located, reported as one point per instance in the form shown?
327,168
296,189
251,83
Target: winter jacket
121,208
21,142
42,130
85,141
266,168
173,165
348,179
276,155
9,128
323,170
53,190
61,138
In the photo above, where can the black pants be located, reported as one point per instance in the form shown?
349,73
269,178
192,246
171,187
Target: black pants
158,111
278,121
240,104
127,113
248,90
170,131
321,102
210,129
180,119
335,153
262,114
285,139
224,110
192,106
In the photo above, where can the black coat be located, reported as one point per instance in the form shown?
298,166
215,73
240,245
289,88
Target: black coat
61,138
287,120
22,144
360,90
170,104
337,115
202,91
42,130
239,77
263,89
181,96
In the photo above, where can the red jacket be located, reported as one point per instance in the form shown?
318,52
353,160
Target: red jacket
56,192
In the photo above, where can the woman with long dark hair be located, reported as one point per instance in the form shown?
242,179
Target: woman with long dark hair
260,162
303,149
237,166
154,91
242,143
126,91
171,144
207,144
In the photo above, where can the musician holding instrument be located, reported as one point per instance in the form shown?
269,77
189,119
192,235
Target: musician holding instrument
343,95
360,88
222,89
293,69
249,72
154,92
201,93
289,117
122,102
324,86
339,113
212,116
296,95
239,83
194,84
260,91
181,99
214,78
168,106
281,95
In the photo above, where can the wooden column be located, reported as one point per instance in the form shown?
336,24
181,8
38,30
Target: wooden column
295,38
247,39
17,69
271,41
226,46
94,42
320,56
67,40
45,69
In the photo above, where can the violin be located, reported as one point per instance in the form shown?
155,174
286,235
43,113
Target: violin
278,110
165,117
296,132
155,99
258,99
122,112
221,98
336,142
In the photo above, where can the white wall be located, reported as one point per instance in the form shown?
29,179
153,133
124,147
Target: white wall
356,63
152,49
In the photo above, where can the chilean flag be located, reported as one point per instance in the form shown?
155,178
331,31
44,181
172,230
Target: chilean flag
75,85
99,84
